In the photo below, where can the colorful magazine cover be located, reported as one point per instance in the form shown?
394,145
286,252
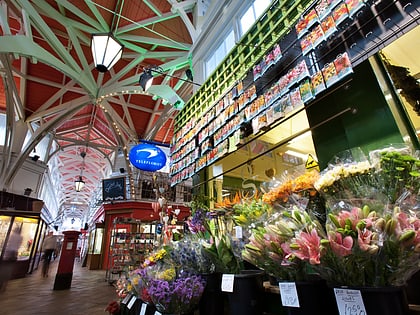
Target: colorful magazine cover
353,6
340,13
270,115
301,71
323,9
277,110
330,74
295,98
328,26
301,27
276,53
306,43
343,65
312,18
317,82
305,89
286,104
256,71
317,36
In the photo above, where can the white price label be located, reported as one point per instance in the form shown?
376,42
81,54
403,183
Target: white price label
349,302
288,294
131,303
143,309
127,297
227,282
238,232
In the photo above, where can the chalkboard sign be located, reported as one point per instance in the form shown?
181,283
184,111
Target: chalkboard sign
113,189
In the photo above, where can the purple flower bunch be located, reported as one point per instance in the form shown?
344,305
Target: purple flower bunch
178,296
188,255
197,223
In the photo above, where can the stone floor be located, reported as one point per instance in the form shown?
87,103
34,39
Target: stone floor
34,295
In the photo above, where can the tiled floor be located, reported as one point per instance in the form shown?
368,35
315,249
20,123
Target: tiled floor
34,295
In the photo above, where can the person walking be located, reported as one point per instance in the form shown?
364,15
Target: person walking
10,257
48,247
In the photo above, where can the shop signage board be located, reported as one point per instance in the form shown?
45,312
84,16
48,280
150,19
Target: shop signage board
113,189
147,157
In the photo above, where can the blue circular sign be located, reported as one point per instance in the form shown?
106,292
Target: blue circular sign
147,157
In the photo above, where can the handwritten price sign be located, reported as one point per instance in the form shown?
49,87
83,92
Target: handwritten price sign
349,302
288,294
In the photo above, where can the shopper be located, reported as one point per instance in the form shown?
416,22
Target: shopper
9,258
48,247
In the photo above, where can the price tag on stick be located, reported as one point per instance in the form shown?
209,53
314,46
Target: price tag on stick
143,309
288,294
131,303
227,282
349,302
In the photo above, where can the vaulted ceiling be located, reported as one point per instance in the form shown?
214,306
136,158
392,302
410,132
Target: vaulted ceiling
51,87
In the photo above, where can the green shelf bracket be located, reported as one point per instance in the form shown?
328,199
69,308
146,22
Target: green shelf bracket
268,30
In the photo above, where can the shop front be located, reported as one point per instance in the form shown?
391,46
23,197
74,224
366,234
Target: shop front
20,241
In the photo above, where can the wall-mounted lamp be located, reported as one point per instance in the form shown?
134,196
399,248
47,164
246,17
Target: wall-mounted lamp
35,158
79,184
146,78
27,191
106,51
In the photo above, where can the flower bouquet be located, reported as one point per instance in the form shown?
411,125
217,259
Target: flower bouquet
137,279
285,245
349,175
188,255
398,171
173,292
221,248
370,248
298,191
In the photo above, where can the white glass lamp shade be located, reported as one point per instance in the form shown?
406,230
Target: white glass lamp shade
79,184
106,51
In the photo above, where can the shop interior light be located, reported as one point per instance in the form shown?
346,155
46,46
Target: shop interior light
106,51
79,184
146,78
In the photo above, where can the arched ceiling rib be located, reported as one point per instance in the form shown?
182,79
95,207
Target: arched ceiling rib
45,53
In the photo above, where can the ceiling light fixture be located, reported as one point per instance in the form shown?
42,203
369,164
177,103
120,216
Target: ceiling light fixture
106,51
146,78
79,183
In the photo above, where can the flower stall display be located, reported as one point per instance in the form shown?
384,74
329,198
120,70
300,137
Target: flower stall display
171,290
370,247
286,245
188,255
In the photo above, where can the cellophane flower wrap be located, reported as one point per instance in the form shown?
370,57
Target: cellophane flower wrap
349,176
370,247
188,255
285,247
173,291
373,230
297,188
221,247
137,279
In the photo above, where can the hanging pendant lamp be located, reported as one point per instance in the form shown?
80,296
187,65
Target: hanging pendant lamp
106,51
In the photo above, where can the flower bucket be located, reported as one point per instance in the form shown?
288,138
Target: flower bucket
315,298
213,299
384,300
247,295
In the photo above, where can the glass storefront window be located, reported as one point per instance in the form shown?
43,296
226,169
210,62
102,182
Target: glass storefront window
4,228
27,229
